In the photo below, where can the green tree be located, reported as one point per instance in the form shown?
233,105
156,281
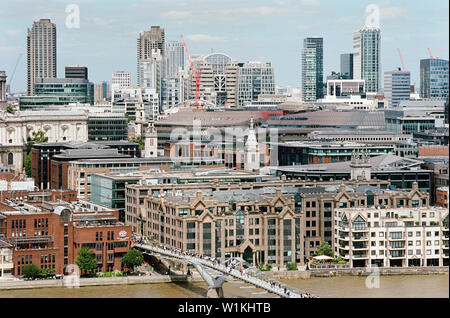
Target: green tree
132,258
31,271
86,260
47,272
38,137
325,249
9,109
139,140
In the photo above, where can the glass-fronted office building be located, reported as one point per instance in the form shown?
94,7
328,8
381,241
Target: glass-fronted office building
434,78
397,87
312,69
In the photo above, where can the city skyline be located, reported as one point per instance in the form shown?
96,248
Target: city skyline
272,32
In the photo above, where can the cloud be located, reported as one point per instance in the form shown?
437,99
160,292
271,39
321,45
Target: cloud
309,2
100,22
205,38
392,13
177,14
13,32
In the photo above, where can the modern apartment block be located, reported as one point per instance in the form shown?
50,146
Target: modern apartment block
254,79
392,237
347,65
434,78
312,69
76,72
366,57
41,52
397,87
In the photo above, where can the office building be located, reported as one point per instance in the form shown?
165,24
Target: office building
434,78
76,72
120,79
150,71
397,87
174,60
366,57
312,69
41,52
347,65
102,92
254,79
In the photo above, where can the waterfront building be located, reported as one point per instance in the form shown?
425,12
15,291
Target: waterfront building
50,234
347,65
254,78
397,87
312,69
76,72
434,78
41,52
392,237
367,57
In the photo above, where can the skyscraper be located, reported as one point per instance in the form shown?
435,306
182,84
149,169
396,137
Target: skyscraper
41,51
312,69
119,79
173,58
347,65
434,78
397,87
147,42
150,71
366,57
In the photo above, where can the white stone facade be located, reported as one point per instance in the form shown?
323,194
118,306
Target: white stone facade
17,129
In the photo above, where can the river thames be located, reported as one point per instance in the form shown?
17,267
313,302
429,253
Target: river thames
415,286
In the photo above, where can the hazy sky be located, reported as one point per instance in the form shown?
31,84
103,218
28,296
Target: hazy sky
264,30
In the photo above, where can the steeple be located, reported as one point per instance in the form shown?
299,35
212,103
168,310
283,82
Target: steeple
150,141
251,150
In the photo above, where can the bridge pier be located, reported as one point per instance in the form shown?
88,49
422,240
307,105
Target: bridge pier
214,292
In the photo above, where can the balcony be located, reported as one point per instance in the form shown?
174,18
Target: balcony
360,256
360,238
344,238
360,247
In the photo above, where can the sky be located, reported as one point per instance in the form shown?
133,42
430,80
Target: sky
247,30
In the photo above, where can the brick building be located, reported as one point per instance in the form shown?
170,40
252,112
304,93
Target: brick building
50,234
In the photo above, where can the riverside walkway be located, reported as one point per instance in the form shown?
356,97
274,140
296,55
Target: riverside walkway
249,275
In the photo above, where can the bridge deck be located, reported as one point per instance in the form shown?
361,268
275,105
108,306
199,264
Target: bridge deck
225,270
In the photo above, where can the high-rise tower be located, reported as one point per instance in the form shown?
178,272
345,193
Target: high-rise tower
366,57
312,69
41,51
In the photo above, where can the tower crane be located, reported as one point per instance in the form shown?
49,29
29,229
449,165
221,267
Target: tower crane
197,74
431,55
14,71
401,58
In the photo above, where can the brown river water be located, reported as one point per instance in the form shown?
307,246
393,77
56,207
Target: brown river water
417,286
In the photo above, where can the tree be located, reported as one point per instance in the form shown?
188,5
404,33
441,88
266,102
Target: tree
47,272
86,260
38,137
31,271
9,109
139,140
325,249
132,258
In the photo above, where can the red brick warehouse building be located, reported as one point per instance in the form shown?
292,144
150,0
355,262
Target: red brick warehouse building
50,234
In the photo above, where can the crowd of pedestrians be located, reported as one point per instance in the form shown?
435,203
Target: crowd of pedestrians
230,265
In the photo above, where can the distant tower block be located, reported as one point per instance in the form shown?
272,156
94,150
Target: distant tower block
360,167
150,142
251,150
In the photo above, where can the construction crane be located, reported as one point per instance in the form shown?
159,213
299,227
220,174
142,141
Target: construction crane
440,51
14,71
431,55
401,59
197,74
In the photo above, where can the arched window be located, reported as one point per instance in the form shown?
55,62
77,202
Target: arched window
359,223
10,158
344,221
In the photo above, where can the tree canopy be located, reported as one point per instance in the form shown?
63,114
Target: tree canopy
86,260
132,258
325,249
31,271
38,137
